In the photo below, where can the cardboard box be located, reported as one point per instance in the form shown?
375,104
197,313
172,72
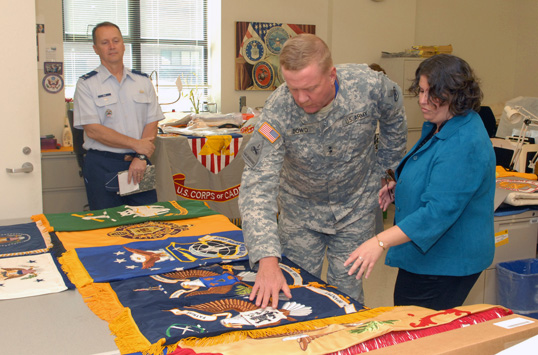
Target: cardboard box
480,339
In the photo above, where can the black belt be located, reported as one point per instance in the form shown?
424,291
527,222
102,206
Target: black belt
117,156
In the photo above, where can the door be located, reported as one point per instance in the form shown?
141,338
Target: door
19,114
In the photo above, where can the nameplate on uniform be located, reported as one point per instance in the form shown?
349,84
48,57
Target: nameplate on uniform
302,130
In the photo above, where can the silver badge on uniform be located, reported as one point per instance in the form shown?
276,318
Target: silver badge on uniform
108,113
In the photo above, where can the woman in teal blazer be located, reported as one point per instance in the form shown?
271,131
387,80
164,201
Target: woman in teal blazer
443,235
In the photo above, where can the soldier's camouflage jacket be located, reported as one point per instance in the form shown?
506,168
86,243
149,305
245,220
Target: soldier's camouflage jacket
322,169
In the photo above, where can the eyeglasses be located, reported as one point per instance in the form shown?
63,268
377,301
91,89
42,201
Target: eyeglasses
388,178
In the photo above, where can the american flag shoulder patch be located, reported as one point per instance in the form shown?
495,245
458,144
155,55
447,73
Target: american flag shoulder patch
269,132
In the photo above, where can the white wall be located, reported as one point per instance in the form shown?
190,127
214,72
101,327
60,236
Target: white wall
51,106
362,29
484,33
526,64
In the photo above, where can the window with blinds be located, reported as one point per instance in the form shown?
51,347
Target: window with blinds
163,38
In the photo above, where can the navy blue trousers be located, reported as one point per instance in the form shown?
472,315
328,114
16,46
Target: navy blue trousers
100,168
432,291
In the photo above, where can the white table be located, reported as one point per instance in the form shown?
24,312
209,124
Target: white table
53,324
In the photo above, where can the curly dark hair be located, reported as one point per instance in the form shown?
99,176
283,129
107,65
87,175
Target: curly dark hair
451,80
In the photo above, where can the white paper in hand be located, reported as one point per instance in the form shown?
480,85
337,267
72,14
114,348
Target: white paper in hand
147,183
125,187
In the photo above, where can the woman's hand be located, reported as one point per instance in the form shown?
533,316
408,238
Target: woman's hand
364,258
386,194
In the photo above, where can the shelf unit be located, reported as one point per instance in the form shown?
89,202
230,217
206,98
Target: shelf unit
63,185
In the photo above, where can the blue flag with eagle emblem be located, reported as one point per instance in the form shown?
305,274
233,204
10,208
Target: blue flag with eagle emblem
120,262
211,303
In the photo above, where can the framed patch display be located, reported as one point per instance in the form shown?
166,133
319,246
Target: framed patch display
258,46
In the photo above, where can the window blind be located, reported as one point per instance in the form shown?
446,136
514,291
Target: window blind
163,38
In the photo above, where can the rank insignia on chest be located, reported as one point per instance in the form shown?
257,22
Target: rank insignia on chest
395,94
268,132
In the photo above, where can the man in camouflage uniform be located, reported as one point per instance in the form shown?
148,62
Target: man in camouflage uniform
312,161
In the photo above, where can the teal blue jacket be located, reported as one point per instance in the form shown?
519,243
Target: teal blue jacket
444,201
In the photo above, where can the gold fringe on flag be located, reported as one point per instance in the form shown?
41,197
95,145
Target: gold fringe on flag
43,219
74,269
129,339
102,300
44,232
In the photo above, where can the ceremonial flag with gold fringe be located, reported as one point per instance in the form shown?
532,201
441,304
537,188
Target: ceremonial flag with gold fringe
120,262
123,215
151,230
210,305
24,239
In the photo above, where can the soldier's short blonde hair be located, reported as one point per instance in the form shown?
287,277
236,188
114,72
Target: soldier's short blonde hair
304,49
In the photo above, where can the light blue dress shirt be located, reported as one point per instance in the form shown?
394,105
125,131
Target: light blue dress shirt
126,106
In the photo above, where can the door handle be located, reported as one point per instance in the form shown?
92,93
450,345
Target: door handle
26,168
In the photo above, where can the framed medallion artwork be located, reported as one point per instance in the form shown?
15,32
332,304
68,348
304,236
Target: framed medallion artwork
53,83
258,46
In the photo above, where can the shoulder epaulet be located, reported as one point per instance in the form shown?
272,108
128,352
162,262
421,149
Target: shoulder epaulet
88,75
139,73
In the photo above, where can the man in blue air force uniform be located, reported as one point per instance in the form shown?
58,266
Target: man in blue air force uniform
119,112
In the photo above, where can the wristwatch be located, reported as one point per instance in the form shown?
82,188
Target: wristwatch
141,156
381,244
